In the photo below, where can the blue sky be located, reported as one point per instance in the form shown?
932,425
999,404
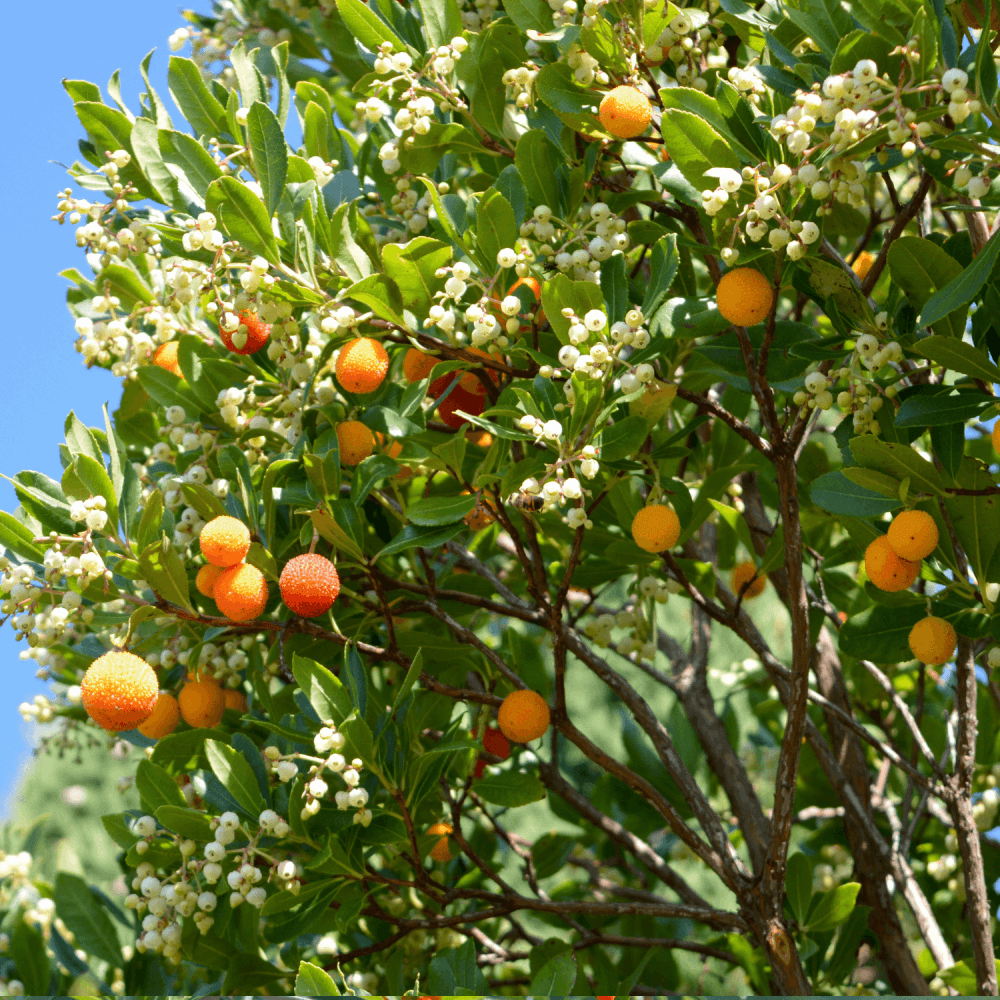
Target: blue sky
44,377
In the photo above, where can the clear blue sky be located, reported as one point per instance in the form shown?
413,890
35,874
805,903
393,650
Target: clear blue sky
44,377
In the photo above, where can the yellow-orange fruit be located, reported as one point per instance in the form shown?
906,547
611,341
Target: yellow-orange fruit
201,703
166,357
356,442
933,641
886,570
523,716
362,365
234,699
862,264
163,721
241,592
481,439
470,382
995,436
625,112
654,402
417,365
119,690
224,541
744,296
913,535
309,584
205,579
743,572
656,528
441,851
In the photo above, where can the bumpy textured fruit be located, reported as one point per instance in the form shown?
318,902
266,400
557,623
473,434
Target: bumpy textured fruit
241,593
523,716
362,365
933,641
886,570
205,579
309,584
744,296
656,528
201,703
234,699
625,112
496,743
862,264
225,541
119,690
995,436
258,332
417,365
356,442
743,572
458,399
163,721
913,535
166,357
441,851
654,402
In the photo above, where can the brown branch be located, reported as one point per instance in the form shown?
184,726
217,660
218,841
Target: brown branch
902,220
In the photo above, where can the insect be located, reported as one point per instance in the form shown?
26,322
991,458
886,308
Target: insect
482,515
526,501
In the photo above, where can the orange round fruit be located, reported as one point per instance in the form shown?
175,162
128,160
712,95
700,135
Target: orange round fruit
862,264
523,716
417,365
744,296
309,584
205,580
441,851
529,282
995,436
119,690
456,400
234,699
744,572
241,592
886,570
625,112
165,356
656,528
362,365
913,535
470,383
933,641
224,541
257,333
356,442
164,718
201,704
480,438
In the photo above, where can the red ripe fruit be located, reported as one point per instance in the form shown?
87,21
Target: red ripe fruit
258,333
309,585
496,743
458,399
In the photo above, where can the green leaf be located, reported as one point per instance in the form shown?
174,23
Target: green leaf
435,511
844,958
80,438
312,981
975,519
18,538
962,289
936,405
423,156
871,480
495,228
510,789
97,482
157,788
442,20
412,266
920,267
530,15
325,693
124,479
27,948
270,155
236,775
379,293
412,537
880,633
663,261
549,853
961,979
242,215
126,284
704,107
246,75
695,147
556,977
193,98
832,908
574,104
186,822
87,919
163,570
454,972
535,159
146,147
623,438
365,25
798,885
835,493
958,356
897,460
416,665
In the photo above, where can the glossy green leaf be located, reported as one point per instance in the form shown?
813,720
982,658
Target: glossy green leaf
413,267
695,147
323,689
835,493
963,288
832,908
958,356
270,155
193,98
157,788
535,158
27,949
556,977
87,919
510,789
312,981
164,572
236,775
242,216
920,267
436,511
